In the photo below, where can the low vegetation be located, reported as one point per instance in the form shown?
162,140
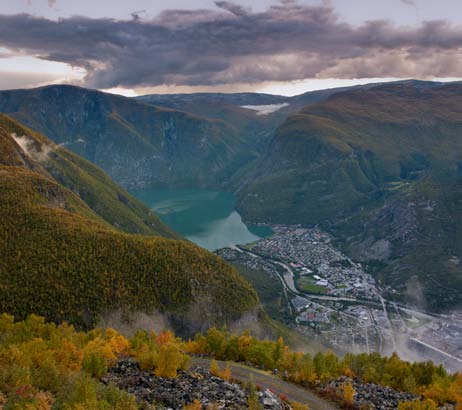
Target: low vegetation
44,366
424,378
217,371
306,284
47,366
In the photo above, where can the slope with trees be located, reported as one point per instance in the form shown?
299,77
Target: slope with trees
66,261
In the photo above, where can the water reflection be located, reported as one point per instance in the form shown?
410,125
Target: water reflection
207,218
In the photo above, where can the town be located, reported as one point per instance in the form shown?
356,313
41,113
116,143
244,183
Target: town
335,302
319,267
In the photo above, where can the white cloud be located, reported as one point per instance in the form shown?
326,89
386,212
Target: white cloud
37,153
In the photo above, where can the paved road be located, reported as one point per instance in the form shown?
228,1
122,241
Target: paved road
288,277
266,381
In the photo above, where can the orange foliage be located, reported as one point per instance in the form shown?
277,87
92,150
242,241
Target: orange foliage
165,338
195,405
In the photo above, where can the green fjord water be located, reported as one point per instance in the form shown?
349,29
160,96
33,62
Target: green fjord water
207,218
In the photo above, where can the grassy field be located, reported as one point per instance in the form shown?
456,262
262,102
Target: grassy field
306,284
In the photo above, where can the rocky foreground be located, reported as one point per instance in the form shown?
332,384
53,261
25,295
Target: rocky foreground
216,393
196,383
370,396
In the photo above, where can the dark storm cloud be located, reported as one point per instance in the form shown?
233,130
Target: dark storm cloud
203,47
232,7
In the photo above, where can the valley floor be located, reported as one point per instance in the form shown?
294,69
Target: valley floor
333,299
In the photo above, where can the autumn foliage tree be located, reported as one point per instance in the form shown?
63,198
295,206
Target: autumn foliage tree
348,394
424,378
44,365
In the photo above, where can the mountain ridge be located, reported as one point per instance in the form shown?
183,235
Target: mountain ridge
135,143
171,141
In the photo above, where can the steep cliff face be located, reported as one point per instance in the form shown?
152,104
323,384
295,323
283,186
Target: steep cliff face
414,243
135,143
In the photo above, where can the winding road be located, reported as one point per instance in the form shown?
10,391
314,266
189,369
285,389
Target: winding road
266,381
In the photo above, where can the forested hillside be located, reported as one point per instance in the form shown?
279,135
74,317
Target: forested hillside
66,261
350,160
109,201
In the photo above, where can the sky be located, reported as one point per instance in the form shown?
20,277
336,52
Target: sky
277,46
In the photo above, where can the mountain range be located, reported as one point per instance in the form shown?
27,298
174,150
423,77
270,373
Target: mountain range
182,140
137,144
377,165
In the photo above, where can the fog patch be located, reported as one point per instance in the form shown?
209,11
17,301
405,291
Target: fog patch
34,150
252,323
405,352
265,109
415,293
128,323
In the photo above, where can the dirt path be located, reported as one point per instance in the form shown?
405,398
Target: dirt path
266,381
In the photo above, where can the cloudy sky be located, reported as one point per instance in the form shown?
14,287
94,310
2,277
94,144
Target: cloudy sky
280,46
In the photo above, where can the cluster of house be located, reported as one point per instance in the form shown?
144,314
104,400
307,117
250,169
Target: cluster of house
308,312
309,253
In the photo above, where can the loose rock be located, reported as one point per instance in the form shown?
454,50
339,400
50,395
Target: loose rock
196,383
